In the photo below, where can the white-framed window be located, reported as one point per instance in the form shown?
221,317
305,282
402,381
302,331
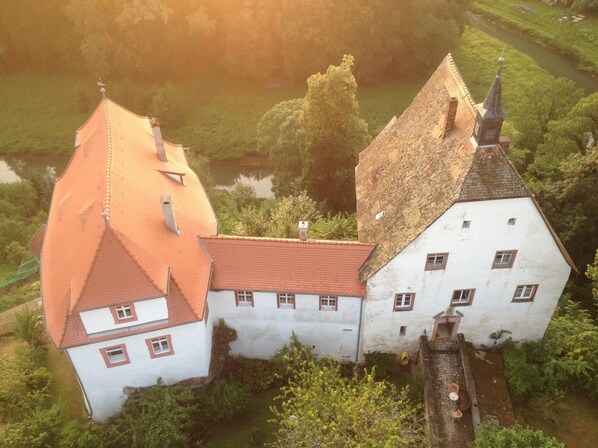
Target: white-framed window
286,300
525,293
124,312
244,298
504,259
160,346
436,261
328,303
462,297
404,301
115,356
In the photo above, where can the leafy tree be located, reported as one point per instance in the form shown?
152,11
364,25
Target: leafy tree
287,214
551,101
321,408
162,417
492,435
281,138
39,429
222,400
28,327
335,134
337,227
592,274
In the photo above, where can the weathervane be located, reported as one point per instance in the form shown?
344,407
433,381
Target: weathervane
102,87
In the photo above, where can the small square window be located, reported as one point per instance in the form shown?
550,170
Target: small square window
466,224
511,221
436,261
286,300
462,297
525,293
244,298
504,259
115,356
402,330
328,303
404,301
161,346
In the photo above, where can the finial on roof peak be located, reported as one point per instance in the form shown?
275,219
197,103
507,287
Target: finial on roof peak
102,87
501,61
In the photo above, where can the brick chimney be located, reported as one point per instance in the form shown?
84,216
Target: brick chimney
451,114
303,225
168,212
158,139
505,143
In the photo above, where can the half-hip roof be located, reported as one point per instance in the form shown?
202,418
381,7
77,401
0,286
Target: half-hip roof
417,168
106,241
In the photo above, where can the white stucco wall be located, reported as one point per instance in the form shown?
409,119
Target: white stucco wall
101,319
264,328
471,254
103,386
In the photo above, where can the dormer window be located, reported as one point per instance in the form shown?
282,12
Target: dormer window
123,313
177,177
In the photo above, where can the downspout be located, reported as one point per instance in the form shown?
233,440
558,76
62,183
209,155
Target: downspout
359,329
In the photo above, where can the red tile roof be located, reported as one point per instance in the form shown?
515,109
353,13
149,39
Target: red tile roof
265,264
86,264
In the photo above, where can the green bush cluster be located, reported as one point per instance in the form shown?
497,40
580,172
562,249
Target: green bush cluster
384,365
253,374
222,400
492,435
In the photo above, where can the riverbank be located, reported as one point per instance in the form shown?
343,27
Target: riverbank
553,26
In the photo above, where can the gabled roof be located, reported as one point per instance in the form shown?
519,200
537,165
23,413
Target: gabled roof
285,265
89,261
413,172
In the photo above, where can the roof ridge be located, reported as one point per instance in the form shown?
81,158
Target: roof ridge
108,159
287,240
457,74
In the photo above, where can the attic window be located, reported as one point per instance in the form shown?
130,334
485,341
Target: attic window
466,224
511,221
379,215
177,177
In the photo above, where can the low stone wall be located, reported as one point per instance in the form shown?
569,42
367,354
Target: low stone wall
7,318
469,383
423,358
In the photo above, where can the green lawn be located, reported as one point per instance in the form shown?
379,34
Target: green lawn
237,433
576,40
40,112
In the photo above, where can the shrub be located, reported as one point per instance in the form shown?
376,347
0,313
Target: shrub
253,374
383,364
29,328
222,400
15,252
492,435
291,358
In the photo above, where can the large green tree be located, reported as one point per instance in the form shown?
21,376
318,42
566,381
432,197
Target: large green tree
322,408
335,133
492,435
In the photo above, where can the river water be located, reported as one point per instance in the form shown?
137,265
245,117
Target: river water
226,174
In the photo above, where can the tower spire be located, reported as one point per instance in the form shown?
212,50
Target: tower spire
490,114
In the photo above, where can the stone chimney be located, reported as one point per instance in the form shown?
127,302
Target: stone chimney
303,225
158,139
168,212
451,114
505,143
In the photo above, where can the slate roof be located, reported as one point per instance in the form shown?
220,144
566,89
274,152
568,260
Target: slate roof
285,265
412,172
87,264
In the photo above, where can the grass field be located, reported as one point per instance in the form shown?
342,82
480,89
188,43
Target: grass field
576,40
40,112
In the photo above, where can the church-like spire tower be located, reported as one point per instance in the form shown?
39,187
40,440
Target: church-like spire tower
490,115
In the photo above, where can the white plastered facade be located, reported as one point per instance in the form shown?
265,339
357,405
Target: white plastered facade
471,251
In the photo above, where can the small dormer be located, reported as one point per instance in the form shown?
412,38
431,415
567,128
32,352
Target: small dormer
490,115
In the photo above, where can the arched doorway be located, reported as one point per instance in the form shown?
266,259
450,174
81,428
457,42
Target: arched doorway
446,325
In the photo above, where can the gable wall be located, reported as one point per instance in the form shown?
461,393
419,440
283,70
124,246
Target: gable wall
471,254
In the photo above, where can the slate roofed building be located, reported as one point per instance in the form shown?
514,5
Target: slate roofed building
134,274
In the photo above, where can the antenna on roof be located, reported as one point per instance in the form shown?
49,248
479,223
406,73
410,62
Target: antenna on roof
102,87
501,61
